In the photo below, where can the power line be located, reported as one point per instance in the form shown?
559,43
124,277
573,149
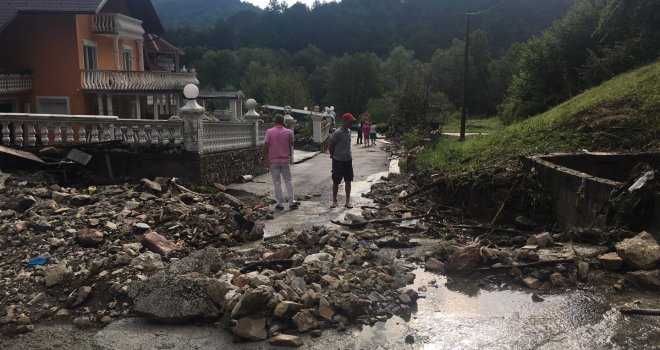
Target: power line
486,10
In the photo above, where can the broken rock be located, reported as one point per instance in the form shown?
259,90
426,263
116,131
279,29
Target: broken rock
251,328
611,261
435,265
158,244
640,252
173,298
542,240
89,237
463,260
286,340
305,320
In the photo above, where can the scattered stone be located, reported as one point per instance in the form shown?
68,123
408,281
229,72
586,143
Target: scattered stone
435,266
557,279
582,270
611,261
251,302
410,339
463,260
537,298
147,262
305,320
531,282
158,244
251,328
154,186
89,237
286,340
287,309
80,200
83,294
542,240
83,322
56,274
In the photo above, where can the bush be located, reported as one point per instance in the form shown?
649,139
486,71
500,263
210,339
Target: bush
410,139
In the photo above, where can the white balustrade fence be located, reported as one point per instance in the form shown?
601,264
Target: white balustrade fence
20,129
15,82
101,80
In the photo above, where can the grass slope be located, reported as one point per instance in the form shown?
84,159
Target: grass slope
622,114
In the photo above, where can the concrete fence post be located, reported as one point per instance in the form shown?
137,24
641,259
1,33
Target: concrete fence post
316,127
192,115
253,116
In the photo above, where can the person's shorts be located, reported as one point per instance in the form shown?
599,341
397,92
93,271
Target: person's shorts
342,170
373,135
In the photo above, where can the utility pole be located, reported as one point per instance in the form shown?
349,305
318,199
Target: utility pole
465,73
465,63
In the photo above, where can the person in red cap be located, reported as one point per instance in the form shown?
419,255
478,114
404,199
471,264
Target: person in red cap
342,161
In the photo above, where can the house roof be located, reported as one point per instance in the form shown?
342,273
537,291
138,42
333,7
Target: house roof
142,9
154,43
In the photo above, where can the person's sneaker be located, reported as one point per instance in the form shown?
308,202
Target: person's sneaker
294,205
279,207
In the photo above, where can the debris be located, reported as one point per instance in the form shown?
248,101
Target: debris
645,312
78,156
640,252
20,154
38,261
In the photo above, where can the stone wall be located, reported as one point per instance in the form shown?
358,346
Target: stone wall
228,166
222,167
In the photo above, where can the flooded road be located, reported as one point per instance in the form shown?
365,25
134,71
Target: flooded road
465,316
460,314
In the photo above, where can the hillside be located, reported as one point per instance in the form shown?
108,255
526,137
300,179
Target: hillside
622,114
198,13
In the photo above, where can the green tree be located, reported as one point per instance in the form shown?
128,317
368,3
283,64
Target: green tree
218,69
353,80
549,66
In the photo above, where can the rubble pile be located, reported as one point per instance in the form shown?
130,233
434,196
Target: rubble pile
73,252
298,282
526,253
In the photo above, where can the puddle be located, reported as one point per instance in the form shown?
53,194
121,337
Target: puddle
462,316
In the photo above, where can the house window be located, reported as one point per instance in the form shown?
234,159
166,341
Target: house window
89,55
8,106
128,58
53,105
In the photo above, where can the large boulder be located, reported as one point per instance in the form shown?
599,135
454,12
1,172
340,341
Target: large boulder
641,252
206,262
171,298
186,290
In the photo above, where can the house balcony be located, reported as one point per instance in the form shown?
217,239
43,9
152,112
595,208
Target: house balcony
135,81
11,83
117,24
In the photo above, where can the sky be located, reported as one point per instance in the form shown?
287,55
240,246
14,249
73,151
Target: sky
264,3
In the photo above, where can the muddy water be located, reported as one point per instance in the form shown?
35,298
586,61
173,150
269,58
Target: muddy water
460,315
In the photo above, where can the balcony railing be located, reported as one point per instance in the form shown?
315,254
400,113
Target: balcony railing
134,81
117,24
15,82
